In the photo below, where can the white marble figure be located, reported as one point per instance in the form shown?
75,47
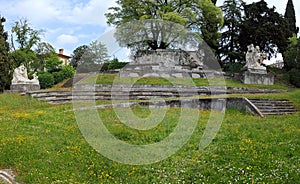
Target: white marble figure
20,76
254,58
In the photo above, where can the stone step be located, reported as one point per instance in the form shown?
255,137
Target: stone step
277,113
277,110
274,106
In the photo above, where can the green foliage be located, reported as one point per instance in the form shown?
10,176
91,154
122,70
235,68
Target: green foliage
68,71
27,57
89,58
233,67
292,61
264,27
294,75
5,64
46,80
53,63
58,77
290,16
197,16
77,55
115,64
212,21
26,37
97,52
229,50
43,52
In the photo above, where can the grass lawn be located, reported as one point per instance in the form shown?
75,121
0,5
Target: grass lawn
43,144
114,79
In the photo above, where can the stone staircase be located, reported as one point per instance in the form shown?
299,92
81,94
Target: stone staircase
273,106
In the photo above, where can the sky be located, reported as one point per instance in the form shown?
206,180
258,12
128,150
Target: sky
68,24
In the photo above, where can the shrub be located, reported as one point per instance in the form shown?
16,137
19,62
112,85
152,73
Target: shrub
58,77
115,64
294,75
68,71
46,80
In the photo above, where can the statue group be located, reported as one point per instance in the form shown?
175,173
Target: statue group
254,59
21,82
20,76
253,71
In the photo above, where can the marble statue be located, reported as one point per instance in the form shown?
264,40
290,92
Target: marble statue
254,58
20,76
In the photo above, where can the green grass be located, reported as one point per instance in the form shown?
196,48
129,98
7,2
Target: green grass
114,79
42,144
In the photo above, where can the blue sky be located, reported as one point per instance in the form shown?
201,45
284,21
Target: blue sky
71,23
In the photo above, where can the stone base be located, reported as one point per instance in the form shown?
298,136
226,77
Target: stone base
22,88
257,78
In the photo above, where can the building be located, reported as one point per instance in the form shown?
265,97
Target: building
278,64
64,58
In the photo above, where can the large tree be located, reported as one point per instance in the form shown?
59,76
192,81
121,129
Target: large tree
229,51
194,15
25,36
291,17
264,27
89,58
23,40
4,62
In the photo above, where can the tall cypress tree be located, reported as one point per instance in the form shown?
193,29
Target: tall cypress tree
4,62
291,17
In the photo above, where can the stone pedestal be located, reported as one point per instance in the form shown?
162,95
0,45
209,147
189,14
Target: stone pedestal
24,87
262,78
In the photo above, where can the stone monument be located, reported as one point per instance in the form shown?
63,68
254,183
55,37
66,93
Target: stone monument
253,72
167,63
21,83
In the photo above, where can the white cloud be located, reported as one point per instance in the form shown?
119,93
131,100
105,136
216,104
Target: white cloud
90,13
74,12
66,40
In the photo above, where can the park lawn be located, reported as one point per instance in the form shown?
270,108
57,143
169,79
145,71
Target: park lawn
114,79
43,144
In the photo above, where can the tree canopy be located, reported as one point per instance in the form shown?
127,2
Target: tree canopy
291,17
264,27
89,58
5,65
194,15
230,50
25,36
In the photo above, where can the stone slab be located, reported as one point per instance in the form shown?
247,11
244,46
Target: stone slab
24,87
257,78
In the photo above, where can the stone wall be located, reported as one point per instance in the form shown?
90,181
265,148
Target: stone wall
168,64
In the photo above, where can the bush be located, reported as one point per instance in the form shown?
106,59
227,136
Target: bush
65,73
115,64
104,67
46,80
58,77
68,71
294,75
